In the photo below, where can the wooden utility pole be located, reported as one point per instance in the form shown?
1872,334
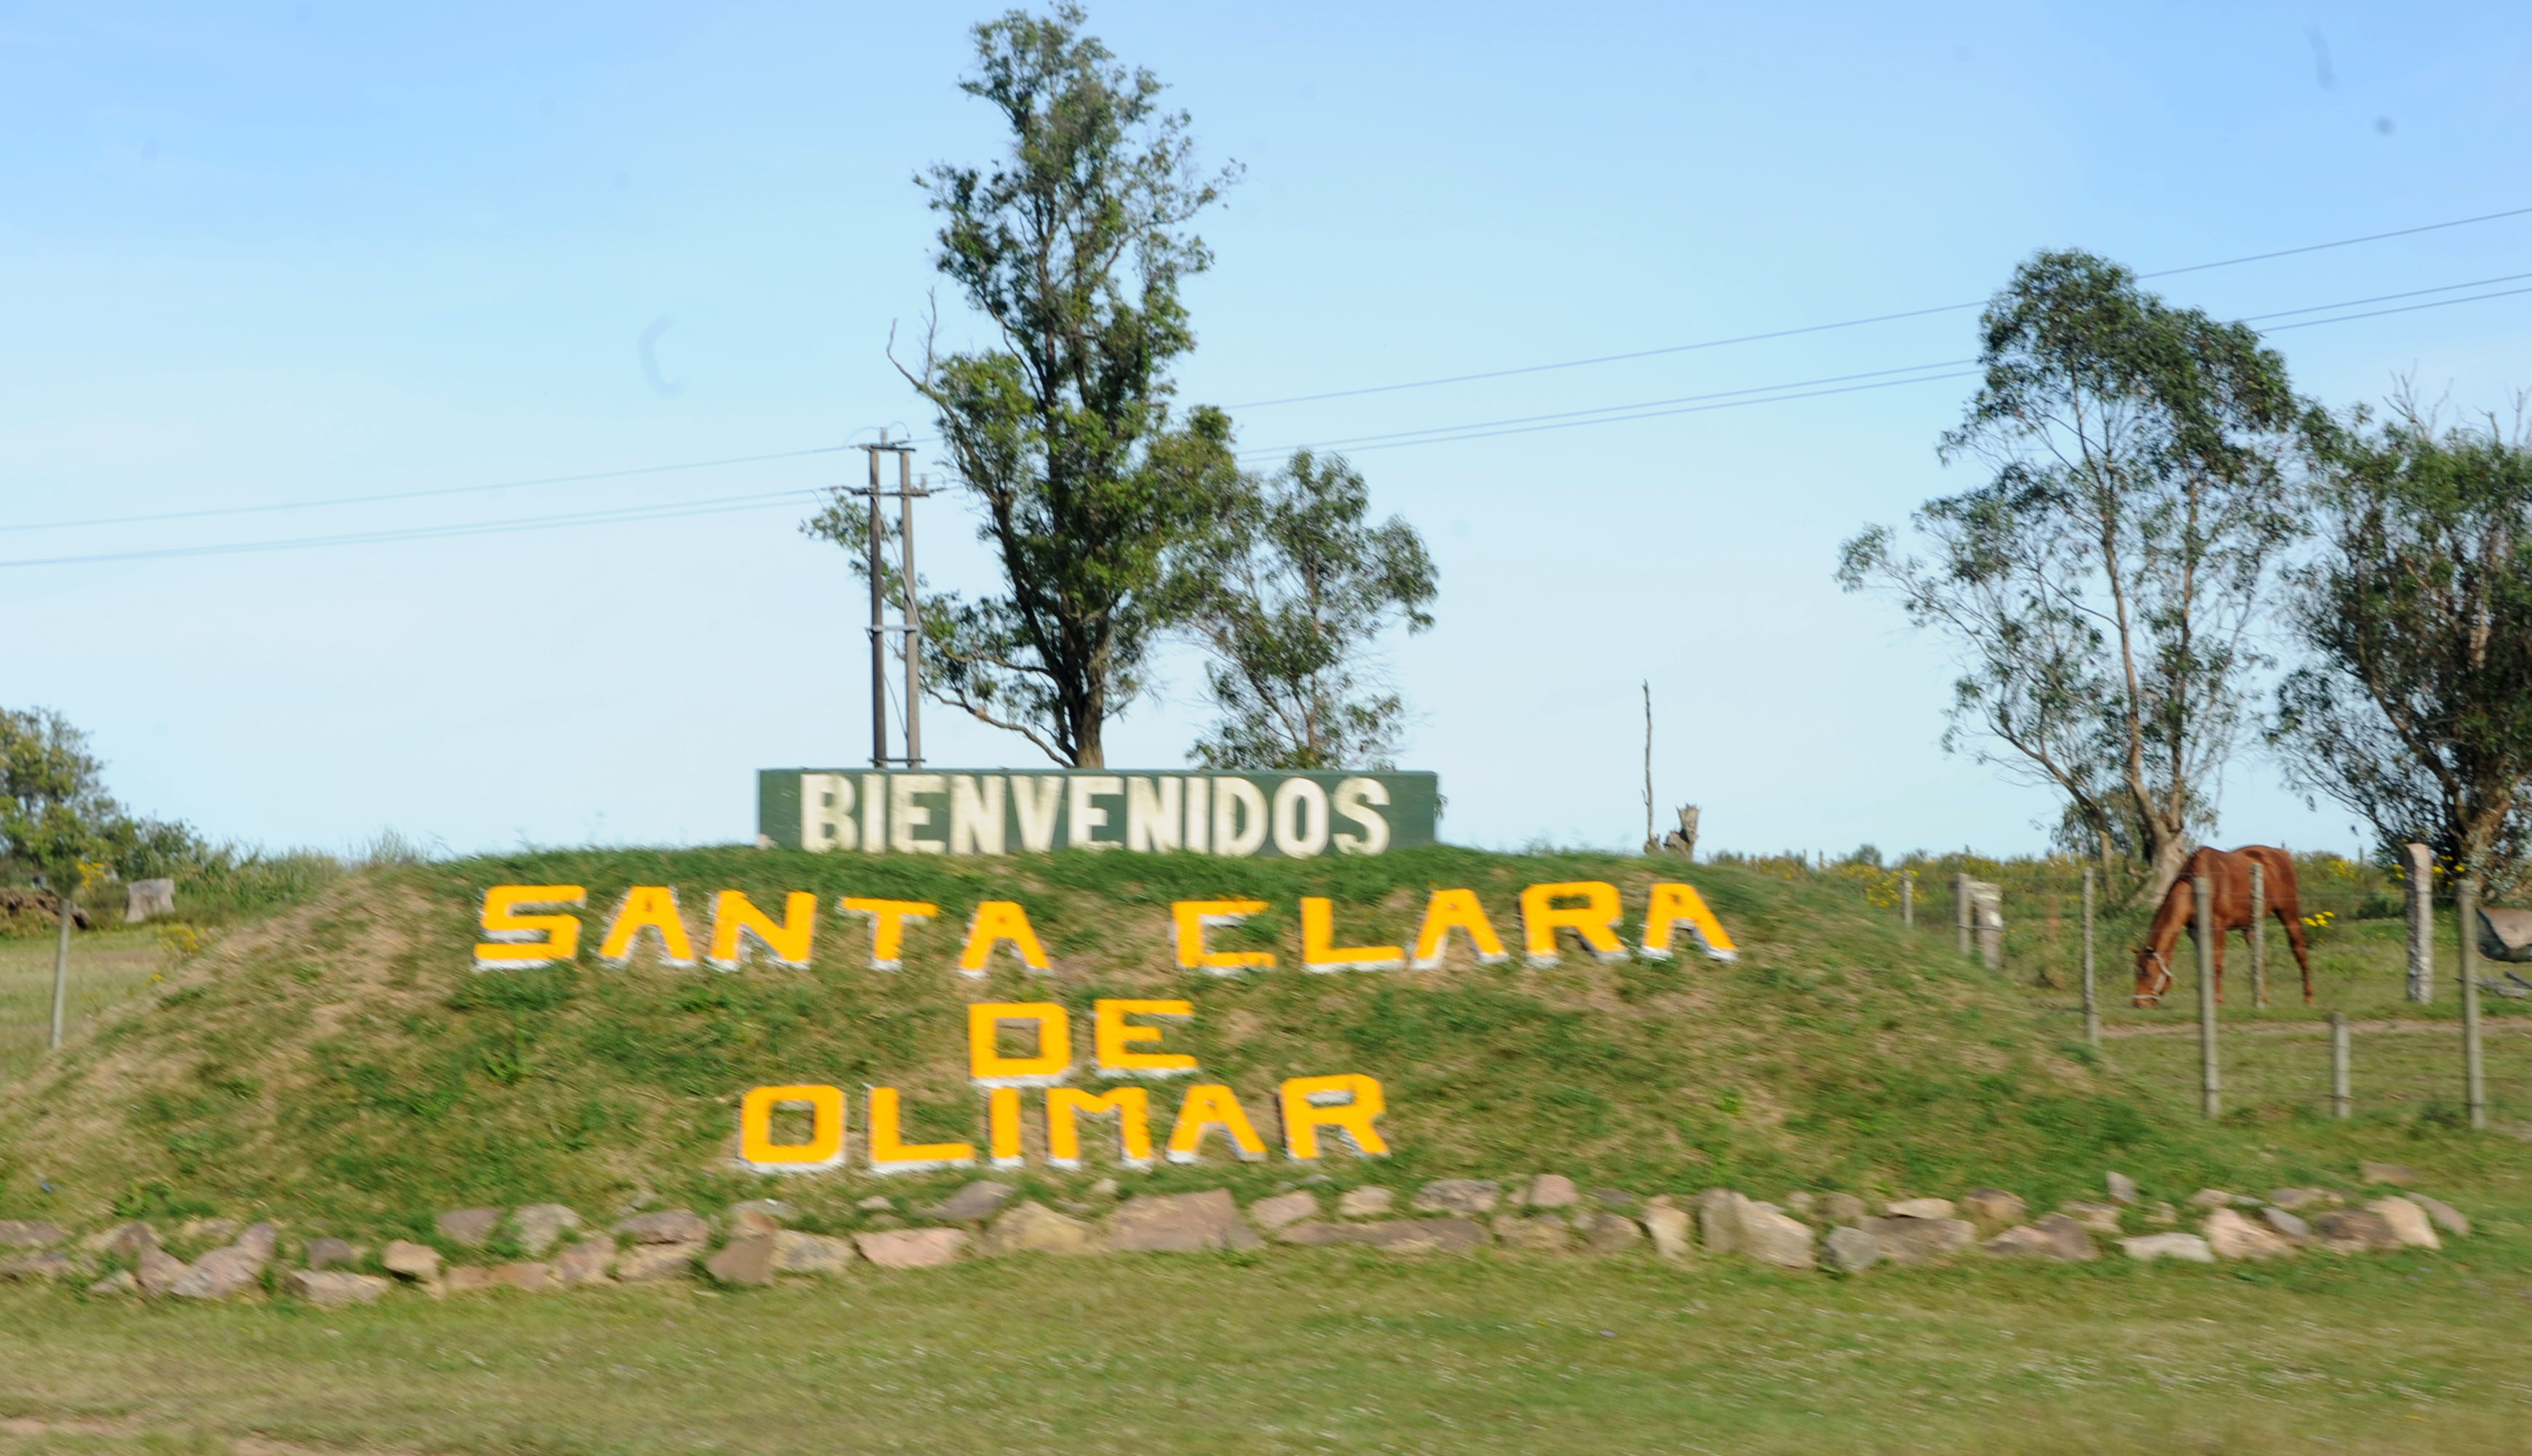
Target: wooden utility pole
910,628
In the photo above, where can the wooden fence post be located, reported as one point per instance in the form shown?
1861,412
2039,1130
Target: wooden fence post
1961,911
2473,1071
2211,1085
2259,934
2341,1100
2422,922
2092,1006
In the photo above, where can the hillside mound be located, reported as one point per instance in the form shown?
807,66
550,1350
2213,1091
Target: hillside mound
347,1063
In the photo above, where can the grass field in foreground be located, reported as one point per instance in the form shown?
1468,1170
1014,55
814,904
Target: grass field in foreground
1318,1350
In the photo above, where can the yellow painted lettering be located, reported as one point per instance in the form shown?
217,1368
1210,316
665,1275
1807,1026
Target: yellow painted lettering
1594,919
515,943
652,908
1346,1104
998,923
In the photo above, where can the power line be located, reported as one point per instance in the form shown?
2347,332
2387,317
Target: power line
664,512
1817,328
362,500
1770,394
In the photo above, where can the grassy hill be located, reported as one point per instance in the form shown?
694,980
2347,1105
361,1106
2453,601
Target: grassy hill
342,1064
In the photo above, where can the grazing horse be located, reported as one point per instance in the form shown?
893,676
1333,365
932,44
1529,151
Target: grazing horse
2228,875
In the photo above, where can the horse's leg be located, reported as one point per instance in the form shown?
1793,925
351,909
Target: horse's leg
2294,938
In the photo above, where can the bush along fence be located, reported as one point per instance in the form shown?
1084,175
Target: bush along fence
547,1247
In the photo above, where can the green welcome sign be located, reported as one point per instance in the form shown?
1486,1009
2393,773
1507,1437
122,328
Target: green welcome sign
1004,812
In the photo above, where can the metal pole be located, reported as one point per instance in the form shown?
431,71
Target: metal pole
1908,898
2092,1006
1651,843
2341,1100
65,907
1961,911
2473,1070
2210,1082
913,621
2259,934
879,617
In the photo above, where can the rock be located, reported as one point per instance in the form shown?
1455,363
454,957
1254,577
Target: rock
118,1282
2355,1231
878,1203
2098,1218
1843,1208
468,1278
1458,1196
337,1287
2447,1217
920,1247
2392,1173
1919,1209
528,1276
1850,1249
542,1225
472,1227
208,1230
2286,1224
2210,1199
1365,1203
1734,1224
973,1203
1669,1228
746,1261
757,1218
1551,1191
1609,1233
29,1233
1922,1239
1616,1199
1993,1207
2233,1236
412,1260
1181,1223
2056,1237
2407,1220
811,1254
28,1269
157,1273
2162,1216
1273,1213
1031,1227
1538,1233
2123,1188
2297,1199
2151,1247
668,1226
585,1263
1403,1236
324,1254
1105,1188
126,1239
260,1240
650,1263
1799,1203
221,1273
144,897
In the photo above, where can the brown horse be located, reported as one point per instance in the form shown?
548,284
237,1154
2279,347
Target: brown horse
2228,873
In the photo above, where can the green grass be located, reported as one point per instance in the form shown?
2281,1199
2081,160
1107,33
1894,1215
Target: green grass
1318,1350
106,966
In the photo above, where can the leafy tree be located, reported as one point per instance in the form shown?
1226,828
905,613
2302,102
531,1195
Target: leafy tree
54,813
1286,590
2103,584
2417,710
1074,247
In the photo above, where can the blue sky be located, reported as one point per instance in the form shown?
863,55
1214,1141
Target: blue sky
276,253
